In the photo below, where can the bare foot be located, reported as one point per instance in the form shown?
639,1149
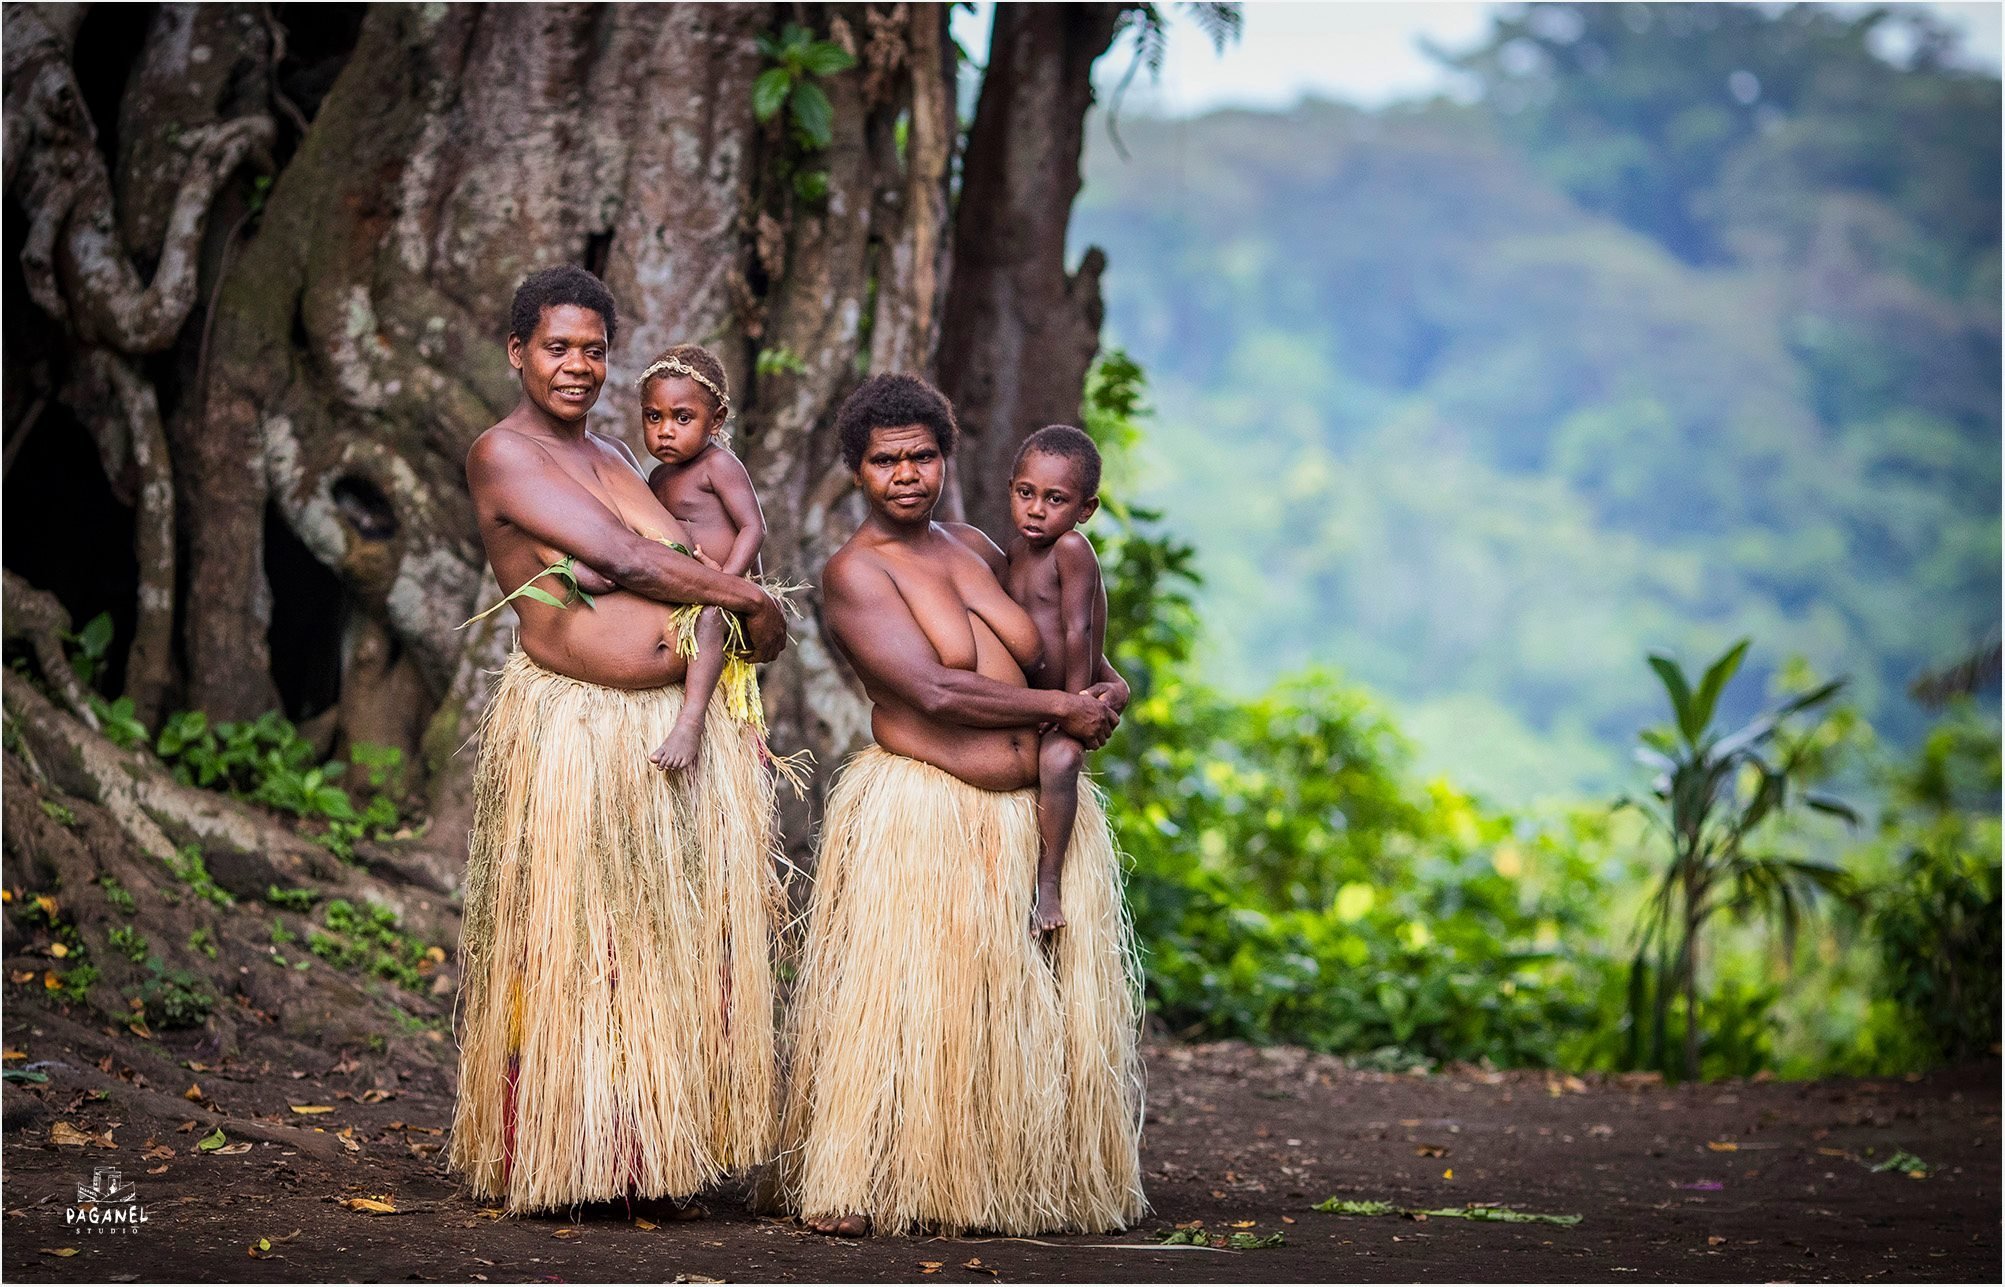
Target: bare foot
679,751
1046,914
853,1225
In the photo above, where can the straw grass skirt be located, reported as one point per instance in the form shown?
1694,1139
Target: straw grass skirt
948,1071
617,1032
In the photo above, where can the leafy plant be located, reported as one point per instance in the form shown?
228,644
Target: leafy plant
798,59
1713,791
92,642
187,865
175,999
367,938
116,895
119,722
293,900
779,360
128,941
59,813
203,940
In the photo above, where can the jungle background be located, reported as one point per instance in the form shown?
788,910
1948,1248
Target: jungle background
1427,425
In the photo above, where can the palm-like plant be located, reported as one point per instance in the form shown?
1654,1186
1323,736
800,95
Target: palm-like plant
1713,789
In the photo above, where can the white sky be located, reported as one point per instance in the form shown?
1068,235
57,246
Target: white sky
1360,51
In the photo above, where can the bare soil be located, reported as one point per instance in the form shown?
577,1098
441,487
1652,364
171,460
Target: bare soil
1722,1182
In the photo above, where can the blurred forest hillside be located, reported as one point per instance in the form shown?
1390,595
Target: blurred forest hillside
1686,329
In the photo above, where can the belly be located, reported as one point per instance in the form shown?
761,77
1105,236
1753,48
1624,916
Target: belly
994,759
622,641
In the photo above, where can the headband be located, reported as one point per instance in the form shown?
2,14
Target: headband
676,366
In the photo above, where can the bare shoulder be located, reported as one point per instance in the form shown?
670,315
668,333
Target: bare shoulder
850,569
977,542
721,464
614,449
503,450
1075,555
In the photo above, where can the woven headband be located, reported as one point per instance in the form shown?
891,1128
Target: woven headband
676,366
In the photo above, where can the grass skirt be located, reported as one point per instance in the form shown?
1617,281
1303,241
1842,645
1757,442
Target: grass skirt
617,1032
948,1070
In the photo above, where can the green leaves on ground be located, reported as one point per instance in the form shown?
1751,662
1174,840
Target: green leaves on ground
1474,1211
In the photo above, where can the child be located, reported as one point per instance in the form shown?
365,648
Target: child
684,403
1053,573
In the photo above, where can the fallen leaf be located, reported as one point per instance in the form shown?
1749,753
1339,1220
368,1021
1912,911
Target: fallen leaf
925,1266
1430,1150
1448,1174
194,1065
59,950
231,1150
185,1127
158,1152
372,1206
1287,1219
649,1225
51,981
157,1170
212,1141
348,1142
194,1093
375,1096
64,1135
1409,1121
309,1109
1714,1240
59,1251
1723,1146
1832,1152
139,1029
11,1055
565,1234
46,903
22,976
1245,1224
259,1249
435,954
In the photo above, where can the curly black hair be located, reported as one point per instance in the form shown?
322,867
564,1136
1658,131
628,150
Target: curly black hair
1071,444
892,402
554,288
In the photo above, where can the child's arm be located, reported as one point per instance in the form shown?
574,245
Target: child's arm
1078,595
734,491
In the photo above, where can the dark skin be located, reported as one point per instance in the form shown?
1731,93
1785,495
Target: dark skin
1055,575
707,489
543,487
940,647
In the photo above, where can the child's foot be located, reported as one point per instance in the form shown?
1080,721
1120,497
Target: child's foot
1046,915
679,751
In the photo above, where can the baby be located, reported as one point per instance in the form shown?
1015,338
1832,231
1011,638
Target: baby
1053,573
684,403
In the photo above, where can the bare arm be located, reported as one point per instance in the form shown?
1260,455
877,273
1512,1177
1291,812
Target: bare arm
876,628
517,482
1078,593
741,504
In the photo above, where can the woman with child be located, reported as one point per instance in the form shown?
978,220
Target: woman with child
958,1061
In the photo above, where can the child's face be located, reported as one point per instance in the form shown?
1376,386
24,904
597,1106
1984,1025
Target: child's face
1046,500
677,415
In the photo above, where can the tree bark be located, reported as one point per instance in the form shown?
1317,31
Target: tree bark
1020,331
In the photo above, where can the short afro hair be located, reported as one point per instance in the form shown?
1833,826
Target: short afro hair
1070,443
554,288
892,402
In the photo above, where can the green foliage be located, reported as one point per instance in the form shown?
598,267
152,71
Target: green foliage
175,999
1487,447
293,900
280,935
91,643
1717,795
74,984
367,938
128,942
203,940
797,60
59,813
1936,922
119,721
190,870
779,360
117,896
266,760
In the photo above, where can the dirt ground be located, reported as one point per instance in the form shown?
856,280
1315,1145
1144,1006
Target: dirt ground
1735,1182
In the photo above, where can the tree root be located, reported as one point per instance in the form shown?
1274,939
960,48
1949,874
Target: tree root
36,618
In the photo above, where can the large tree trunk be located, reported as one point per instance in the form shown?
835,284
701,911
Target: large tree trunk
327,344
1020,331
